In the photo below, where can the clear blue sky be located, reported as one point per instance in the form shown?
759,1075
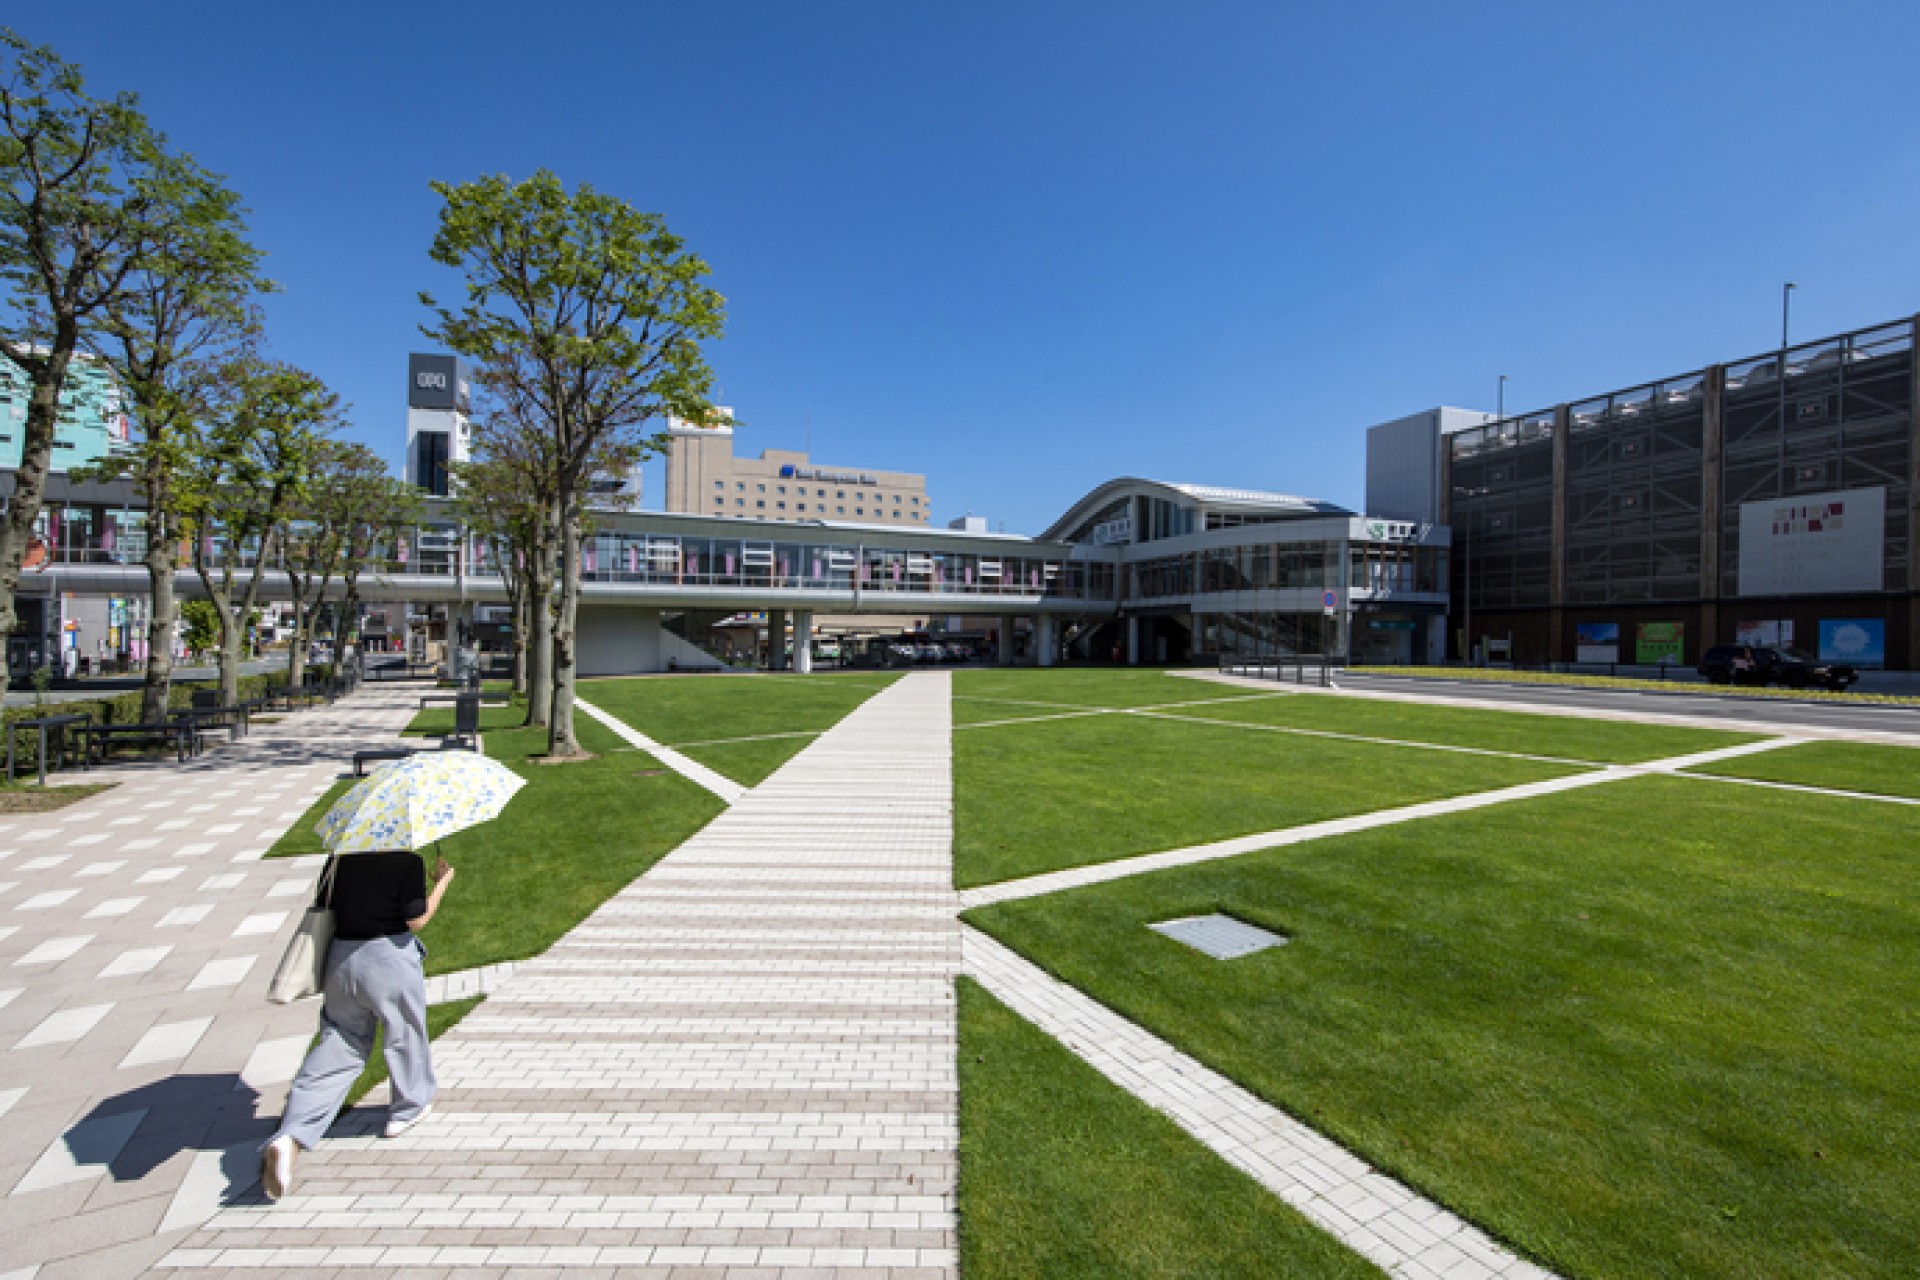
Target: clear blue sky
1027,247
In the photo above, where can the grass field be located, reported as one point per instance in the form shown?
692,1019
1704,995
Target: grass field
1037,797
1654,1028
984,696
1066,1176
706,717
1842,766
574,836
1524,733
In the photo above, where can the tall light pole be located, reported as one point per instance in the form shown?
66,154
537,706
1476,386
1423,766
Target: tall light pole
1501,399
1786,310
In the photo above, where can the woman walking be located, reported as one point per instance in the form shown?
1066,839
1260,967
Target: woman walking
374,979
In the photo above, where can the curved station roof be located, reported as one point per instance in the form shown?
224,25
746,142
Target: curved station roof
1203,498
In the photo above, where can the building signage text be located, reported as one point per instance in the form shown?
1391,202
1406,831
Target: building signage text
791,472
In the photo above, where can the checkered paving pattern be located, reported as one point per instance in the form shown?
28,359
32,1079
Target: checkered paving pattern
138,929
741,1066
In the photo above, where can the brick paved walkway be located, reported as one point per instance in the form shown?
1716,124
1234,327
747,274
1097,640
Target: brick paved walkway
740,1066
137,932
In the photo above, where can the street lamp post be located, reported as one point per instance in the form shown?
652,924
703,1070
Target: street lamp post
1786,309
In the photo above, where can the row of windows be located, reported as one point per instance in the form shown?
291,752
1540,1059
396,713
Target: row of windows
801,491
820,508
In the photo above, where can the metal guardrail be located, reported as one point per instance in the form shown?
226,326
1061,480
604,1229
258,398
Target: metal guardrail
1295,668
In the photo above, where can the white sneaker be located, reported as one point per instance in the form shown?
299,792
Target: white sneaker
397,1127
276,1167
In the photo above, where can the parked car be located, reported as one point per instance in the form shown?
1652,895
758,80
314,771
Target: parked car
1756,664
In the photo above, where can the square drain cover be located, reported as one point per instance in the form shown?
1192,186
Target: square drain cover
1221,937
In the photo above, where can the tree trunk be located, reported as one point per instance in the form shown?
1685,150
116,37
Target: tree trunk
540,622
233,634
166,610
560,737
296,652
30,480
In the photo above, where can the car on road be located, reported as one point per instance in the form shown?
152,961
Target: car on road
1757,664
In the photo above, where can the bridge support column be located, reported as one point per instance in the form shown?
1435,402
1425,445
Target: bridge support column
803,641
1133,642
776,639
1046,639
1006,640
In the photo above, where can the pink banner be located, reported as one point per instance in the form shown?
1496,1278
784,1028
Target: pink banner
589,555
633,558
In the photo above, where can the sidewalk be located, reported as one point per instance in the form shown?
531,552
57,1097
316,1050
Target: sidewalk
740,1066
138,929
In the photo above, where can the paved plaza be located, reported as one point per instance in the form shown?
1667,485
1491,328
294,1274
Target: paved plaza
740,1067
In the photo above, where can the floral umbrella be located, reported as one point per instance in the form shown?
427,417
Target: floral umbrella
410,803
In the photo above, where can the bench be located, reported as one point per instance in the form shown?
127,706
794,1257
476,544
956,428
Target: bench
361,758
183,734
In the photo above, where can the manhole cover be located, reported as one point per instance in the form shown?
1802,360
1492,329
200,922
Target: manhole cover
1221,937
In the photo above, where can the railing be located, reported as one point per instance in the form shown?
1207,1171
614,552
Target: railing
1297,668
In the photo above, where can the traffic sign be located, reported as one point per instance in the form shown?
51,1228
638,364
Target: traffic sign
1330,601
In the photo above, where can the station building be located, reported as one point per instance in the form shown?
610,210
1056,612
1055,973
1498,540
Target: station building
1770,498
93,417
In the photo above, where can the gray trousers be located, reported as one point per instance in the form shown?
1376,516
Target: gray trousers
378,982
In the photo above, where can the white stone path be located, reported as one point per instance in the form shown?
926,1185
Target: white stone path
741,1065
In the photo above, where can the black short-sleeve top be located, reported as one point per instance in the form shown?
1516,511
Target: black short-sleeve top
375,894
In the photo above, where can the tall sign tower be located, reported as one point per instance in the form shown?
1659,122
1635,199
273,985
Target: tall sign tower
439,398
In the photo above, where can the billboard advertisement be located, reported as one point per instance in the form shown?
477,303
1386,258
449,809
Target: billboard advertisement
1656,642
1596,641
1813,543
1859,642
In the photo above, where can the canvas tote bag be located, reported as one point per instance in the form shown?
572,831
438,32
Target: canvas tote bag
303,969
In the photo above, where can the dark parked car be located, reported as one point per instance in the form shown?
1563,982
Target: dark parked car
1763,665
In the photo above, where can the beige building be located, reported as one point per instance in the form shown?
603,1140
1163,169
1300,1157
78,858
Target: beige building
704,478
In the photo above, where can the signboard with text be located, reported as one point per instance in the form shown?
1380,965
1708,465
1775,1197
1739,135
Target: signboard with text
1596,642
1656,642
1858,642
1813,543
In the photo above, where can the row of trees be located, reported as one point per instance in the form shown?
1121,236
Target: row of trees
115,246
583,316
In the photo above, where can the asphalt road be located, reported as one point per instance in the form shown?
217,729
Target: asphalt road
1731,709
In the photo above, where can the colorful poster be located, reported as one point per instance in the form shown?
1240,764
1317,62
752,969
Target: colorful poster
1858,642
1776,634
1656,642
1596,641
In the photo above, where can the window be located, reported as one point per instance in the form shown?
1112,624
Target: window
719,484
779,488
741,485
781,505
840,493
761,488
799,506
840,510
896,499
760,503
859,511
719,501
916,502
739,502
820,493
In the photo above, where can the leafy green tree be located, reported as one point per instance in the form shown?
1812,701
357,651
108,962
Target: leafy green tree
587,316
88,195
329,532
498,499
250,462
202,631
184,314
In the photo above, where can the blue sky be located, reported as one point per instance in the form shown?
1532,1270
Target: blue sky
1024,248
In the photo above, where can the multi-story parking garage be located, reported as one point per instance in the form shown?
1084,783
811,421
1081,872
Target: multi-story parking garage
1770,498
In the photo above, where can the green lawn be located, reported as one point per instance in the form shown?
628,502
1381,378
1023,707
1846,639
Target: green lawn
990,695
299,840
437,721
440,1017
575,835
1654,1028
678,709
1066,1176
1843,766
1037,797
1524,733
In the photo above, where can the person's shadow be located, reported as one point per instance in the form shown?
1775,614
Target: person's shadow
133,1134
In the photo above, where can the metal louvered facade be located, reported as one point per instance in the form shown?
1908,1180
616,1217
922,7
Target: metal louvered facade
1627,507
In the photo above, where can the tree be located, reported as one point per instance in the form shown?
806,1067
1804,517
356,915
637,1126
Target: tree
247,466
382,508
330,531
184,314
202,618
87,193
501,508
588,316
